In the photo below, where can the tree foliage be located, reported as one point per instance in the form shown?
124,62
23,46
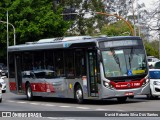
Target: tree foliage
33,20
86,23
116,29
152,48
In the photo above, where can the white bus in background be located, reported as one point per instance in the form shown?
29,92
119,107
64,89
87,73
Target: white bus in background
80,67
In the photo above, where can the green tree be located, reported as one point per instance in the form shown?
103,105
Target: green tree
116,29
86,23
152,48
33,20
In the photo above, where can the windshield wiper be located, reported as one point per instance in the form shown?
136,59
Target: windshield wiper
116,58
131,57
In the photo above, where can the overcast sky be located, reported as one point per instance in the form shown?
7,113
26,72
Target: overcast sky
148,3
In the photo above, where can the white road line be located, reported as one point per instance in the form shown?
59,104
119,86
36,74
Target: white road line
53,118
65,106
102,109
82,107
69,119
47,105
10,101
120,110
21,102
34,103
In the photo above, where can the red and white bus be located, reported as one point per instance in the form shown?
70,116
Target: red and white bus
79,67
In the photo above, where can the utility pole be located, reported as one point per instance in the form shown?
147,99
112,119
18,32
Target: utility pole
7,42
139,30
133,18
159,28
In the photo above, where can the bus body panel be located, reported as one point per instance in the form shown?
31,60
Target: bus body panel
59,87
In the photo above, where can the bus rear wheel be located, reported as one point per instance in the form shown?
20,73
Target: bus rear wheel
79,94
122,99
29,92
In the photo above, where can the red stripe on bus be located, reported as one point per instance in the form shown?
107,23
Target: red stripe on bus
127,85
12,86
42,87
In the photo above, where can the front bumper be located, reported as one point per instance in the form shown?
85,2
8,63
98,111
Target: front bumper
4,87
114,93
156,90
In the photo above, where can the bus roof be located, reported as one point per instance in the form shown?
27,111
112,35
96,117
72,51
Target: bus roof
65,42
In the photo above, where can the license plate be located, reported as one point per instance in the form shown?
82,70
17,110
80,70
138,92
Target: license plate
129,93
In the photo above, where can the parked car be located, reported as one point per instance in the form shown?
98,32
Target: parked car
2,82
152,60
3,70
0,93
154,83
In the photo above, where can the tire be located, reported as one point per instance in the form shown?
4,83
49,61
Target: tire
3,91
29,92
79,94
155,97
122,99
150,96
0,100
131,97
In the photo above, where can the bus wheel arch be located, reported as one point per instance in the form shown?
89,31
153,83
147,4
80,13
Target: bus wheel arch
78,93
29,91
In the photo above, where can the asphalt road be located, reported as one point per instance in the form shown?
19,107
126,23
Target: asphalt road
68,109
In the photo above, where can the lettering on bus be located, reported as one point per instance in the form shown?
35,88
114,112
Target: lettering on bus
120,43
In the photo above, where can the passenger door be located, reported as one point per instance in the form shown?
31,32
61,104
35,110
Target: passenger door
18,62
92,73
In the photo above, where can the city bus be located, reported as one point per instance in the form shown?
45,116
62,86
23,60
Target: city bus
79,67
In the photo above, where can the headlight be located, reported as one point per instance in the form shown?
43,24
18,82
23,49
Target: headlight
156,83
145,82
2,82
107,84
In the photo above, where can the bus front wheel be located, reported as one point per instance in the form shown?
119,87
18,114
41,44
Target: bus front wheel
122,99
29,92
79,94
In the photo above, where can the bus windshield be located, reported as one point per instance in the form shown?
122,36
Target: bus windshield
124,62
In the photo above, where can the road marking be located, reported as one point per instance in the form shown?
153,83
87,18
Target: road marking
53,118
34,103
21,102
65,106
69,119
47,104
102,109
120,110
82,107
10,101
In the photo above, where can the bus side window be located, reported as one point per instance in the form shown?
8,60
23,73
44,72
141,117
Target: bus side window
59,62
69,63
80,63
